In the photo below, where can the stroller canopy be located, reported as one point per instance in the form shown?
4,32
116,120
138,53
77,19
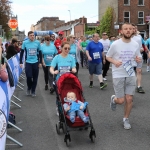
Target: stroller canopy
68,81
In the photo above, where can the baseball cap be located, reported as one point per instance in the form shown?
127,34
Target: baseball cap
60,32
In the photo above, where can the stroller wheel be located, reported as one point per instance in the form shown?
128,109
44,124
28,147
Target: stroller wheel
67,142
58,128
93,138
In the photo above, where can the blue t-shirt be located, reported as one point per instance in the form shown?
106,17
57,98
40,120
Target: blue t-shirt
64,64
48,52
72,52
32,49
95,51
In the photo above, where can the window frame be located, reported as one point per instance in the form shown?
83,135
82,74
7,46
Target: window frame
126,17
140,17
139,4
127,4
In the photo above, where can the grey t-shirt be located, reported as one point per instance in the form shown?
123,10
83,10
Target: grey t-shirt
106,45
123,52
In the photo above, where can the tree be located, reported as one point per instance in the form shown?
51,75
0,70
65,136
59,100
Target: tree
106,22
5,12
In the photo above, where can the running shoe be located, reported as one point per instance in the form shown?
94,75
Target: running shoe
91,84
104,79
28,92
57,111
103,85
140,90
46,87
126,124
51,90
33,94
112,103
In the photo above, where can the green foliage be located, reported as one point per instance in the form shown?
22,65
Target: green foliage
5,12
106,22
90,32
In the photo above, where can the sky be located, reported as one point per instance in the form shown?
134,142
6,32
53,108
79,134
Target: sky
31,11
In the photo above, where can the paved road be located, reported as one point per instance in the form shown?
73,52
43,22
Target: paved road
37,118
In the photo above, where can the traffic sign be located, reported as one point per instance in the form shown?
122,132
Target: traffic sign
13,24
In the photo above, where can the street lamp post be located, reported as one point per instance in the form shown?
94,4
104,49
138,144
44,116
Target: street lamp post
70,14
70,20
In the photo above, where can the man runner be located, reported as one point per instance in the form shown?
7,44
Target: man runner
32,56
95,54
122,54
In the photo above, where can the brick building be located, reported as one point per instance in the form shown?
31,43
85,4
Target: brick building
133,11
46,23
77,27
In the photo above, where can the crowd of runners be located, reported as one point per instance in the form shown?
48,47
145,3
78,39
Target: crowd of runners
125,54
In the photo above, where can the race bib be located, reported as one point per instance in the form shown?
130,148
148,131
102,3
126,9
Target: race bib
49,57
32,52
96,55
128,67
64,69
84,48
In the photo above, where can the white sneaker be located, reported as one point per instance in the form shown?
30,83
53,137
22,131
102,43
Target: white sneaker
57,111
147,70
104,79
126,124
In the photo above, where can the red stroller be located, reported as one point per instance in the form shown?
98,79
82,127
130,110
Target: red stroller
69,82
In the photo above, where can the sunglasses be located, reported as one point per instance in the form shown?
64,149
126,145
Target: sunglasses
47,40
67,48
74,37
53,36
104,34
60,34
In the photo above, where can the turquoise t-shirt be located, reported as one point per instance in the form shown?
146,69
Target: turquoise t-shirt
48,52
72,52
147,42
32,49
64,64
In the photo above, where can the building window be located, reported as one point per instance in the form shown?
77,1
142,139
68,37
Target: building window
141,17
140,2
126,2
127,16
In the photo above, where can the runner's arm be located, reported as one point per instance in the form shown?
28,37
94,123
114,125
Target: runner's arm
40,57
21,55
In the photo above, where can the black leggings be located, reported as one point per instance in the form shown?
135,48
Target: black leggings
77,68
81,57
105,68
48,76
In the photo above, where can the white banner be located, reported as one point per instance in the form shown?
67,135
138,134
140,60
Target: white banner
6,93
3,114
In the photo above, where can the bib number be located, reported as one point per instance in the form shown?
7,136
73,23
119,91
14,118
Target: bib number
96,55
32,52
128,67
64,69
84,48
49,57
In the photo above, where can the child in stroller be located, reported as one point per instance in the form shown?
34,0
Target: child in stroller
72,106
70,84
